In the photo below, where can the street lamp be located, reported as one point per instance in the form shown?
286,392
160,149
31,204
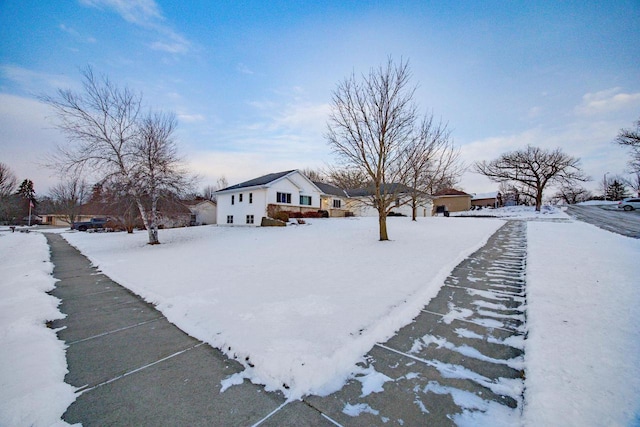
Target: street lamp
605,186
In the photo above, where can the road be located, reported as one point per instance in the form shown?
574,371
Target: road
609,218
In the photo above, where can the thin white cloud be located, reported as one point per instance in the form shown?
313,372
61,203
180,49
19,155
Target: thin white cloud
34,81
606,101
586,138
243,69
190,118
73,32
146,14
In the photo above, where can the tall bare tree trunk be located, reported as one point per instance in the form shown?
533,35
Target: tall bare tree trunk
382,221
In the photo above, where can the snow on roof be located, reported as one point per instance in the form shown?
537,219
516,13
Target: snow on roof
451,192
481,196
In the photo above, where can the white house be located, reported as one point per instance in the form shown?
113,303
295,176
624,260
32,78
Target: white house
333,200
248,202
203,212
360,202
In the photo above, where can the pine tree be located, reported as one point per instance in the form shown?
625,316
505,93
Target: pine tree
26,190
616,190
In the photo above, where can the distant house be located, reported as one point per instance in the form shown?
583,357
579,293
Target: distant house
360,201
451,200
334,200
203,211
248,202
487,200
171,213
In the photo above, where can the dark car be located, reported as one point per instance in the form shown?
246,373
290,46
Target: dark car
94,223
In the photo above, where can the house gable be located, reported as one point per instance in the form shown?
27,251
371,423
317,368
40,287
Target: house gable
246,203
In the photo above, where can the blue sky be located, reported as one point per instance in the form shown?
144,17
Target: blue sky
251,81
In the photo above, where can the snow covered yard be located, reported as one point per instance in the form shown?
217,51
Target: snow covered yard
304,303
298,306
583,349
32,359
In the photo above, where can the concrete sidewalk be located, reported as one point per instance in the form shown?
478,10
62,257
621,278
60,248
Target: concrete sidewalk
133,367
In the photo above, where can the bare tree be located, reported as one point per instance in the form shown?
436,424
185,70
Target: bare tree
8,181
371,125
209,192
8,185
532,169
431,160
347,178
68,196
158,168
631,138
571,194
634,182
314,174
109,135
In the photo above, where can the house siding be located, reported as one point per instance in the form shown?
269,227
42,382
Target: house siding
453,203
239,210
263,196
423,209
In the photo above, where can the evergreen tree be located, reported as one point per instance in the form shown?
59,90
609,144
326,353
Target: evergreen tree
26,190
616,190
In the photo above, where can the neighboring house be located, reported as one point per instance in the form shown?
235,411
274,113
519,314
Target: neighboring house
451,200
84,213
203,212
334,200
171,213
487,200
248,202
360,202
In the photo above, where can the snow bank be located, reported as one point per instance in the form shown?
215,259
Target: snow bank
518,212
32,359
298,306
583,347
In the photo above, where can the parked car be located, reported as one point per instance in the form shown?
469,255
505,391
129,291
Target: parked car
94,223
629,204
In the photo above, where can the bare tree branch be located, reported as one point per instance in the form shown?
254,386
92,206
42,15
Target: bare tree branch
534,168
371,125
631,138
109,136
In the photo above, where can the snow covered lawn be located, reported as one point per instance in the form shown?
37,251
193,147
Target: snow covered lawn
517,212
583,349
299,306
305,303
32,359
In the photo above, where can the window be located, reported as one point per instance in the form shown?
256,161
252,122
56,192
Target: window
233,199
337,204
240,198
250,197
229,219
283,197
305,200
249,219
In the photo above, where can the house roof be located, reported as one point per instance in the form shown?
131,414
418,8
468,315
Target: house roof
450,192
261,180
196,202
385,188
482,196
329,189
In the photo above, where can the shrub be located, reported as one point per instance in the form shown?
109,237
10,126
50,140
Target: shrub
282,216
312,214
